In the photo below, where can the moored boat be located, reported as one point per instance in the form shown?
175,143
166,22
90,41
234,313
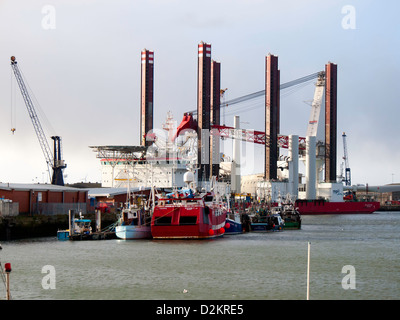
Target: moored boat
135,220
188,214
266,222
289,213
292,220
80,229
133,224
233,224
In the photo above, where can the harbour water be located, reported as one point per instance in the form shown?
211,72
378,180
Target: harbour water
251,266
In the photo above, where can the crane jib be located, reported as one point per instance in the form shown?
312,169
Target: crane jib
262,92
55,161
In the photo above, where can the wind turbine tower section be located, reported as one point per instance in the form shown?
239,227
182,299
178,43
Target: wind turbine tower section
147,94
203,109
215,115
330,121
272,97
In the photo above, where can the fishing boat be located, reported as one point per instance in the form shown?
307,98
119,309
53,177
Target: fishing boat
292,218
188,214
266,221
233,222
273,222
135,219
80,229
133,225
289,213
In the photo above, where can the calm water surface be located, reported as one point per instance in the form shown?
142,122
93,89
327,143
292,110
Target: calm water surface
237,267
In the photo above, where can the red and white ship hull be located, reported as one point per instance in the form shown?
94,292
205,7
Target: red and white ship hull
308,207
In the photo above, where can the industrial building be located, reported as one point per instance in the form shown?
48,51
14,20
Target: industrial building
42,199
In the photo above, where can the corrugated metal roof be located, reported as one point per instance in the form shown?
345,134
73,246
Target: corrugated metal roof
37,187
106,192
93,192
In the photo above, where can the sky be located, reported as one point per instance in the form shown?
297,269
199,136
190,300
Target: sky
81,59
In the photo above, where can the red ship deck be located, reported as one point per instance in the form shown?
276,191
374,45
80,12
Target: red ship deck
187,219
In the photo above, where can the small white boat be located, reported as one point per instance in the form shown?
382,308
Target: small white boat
80,229
134,223
133,232
135,220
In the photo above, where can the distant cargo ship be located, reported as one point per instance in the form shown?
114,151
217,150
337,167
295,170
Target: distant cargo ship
308,207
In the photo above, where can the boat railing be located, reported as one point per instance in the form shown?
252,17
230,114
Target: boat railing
184,202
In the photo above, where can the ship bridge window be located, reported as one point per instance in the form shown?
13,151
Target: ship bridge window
187,220
205,215
163,221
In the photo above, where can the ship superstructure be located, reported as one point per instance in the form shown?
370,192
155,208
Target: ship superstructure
162,163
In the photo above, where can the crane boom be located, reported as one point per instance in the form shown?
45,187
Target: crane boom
55,161
257,137
262,92
316,105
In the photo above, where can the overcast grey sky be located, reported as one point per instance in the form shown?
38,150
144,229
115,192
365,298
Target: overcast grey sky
81,58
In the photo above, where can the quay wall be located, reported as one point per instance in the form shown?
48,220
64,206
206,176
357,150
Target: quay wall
41,225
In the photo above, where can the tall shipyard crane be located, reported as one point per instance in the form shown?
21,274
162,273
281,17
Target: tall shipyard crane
347,175
53,160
